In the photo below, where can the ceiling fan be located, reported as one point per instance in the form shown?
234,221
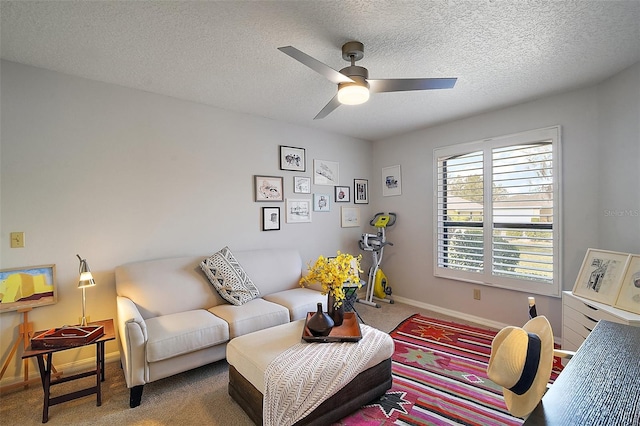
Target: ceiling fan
354,84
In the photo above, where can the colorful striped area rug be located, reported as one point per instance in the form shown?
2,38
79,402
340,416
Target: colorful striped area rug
439,378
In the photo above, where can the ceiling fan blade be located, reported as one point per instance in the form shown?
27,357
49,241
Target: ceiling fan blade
322,69
405,84
333,104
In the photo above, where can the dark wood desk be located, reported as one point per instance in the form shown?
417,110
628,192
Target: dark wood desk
44,364
601,383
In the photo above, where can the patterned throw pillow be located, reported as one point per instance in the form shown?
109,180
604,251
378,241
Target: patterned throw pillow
228,277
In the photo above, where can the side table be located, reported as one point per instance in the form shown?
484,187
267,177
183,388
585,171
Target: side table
45,356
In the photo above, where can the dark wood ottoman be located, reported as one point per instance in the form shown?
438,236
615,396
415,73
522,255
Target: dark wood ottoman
249,356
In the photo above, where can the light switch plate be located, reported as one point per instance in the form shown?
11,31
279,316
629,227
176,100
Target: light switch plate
17,239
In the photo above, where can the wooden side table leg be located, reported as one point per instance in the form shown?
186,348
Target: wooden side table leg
45,376
103,359
99,371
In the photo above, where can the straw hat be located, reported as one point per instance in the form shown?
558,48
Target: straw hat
521,362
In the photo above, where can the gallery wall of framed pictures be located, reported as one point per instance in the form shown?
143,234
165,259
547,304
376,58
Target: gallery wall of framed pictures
267,188
610,277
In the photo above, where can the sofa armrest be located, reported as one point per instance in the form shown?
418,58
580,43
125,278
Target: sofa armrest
133,340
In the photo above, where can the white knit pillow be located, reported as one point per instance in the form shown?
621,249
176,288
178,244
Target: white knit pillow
228,277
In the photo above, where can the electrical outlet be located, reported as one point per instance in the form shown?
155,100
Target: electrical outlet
17,239
476,293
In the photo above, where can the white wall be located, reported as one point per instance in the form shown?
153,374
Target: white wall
119,175
619,190
600,157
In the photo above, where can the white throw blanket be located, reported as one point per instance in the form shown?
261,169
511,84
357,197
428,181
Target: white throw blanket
305,375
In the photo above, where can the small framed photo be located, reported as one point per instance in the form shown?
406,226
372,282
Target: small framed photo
298,210
361,191
268,188
39,283
350,217
271,218
601,275
629,296
321,203
302,185
292,158
343,194
391,181
326,172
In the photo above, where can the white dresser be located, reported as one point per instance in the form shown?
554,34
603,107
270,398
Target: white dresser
580,315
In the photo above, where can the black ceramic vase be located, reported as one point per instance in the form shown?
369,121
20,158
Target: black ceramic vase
320,324
336,314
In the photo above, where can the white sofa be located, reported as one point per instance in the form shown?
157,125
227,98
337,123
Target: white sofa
171,319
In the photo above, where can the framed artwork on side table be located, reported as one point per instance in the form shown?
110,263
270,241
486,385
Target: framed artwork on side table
326,172
350,217
27,287
268,188
298,210
302,185
600,276
292,158
343,194
361,191
629,296
271,218
391,181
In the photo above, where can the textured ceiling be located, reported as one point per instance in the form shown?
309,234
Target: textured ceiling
225,53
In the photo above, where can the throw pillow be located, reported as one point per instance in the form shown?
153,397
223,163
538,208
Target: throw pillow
228,277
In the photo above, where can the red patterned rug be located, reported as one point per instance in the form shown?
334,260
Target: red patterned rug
439,378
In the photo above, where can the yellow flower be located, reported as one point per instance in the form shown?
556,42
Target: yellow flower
331,273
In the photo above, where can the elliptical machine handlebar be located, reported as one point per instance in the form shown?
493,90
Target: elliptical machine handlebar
372,242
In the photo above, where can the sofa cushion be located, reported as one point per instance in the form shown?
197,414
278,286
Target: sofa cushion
184,332
299,301
228,277
256,314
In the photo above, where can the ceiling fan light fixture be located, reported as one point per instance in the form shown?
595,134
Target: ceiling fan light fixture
353,93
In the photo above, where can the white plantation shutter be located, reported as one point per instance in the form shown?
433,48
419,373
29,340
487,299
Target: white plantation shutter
460,232
496,212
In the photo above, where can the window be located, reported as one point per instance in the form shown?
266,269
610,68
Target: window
497,210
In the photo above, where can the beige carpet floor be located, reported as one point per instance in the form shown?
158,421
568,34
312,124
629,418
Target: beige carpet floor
195,397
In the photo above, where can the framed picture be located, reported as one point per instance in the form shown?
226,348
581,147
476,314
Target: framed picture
302,185
27,287
268,188
298,210
350,217
391,181
629,295
361,191
600,276
326,172
343,194
292,158
321,203
271,218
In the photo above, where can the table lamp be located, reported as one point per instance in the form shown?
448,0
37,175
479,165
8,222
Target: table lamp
86,280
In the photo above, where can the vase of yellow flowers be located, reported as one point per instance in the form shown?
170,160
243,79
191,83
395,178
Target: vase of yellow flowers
331,273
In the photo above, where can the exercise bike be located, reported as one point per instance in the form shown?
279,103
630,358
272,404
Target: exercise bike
377,287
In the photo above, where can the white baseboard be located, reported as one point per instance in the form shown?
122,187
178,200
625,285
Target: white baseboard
461,315
449,312
67,369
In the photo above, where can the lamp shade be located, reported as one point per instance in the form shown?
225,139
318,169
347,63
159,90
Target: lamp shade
86,278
